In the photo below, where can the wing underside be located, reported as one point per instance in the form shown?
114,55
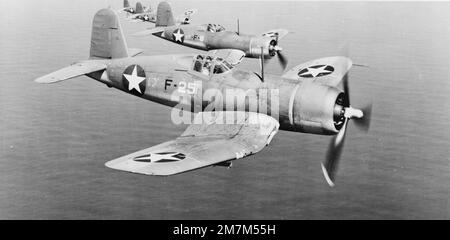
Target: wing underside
208,143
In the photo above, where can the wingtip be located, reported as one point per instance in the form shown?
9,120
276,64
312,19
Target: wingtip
327,177
44,80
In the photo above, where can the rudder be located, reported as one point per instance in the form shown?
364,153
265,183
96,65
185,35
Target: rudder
139,8
164,16
126,4
107,40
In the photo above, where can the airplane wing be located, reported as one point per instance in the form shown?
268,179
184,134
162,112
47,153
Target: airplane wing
209,143
232,56
272,33
74,70
328,71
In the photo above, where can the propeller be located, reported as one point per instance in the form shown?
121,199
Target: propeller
364,123
274,49
346,112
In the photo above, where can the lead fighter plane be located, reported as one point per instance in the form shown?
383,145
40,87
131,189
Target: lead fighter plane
214,36
309,101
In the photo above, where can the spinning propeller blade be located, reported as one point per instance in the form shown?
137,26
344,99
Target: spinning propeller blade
282,60
275,49
362,120
364,123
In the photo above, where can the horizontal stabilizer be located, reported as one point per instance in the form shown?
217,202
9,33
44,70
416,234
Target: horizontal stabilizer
74,70
134,51
147,32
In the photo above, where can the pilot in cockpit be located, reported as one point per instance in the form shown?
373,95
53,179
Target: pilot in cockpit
214,28
198,63
207,65
210,65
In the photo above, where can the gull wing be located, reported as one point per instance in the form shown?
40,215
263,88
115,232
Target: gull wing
210,142
328,71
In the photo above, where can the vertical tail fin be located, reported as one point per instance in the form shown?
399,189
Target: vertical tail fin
164,16
126,4
107,40
139,8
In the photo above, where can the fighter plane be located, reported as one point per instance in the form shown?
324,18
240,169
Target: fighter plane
214,36
130,10
306,99
142,14
150,16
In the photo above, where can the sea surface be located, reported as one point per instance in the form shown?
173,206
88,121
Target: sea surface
55,139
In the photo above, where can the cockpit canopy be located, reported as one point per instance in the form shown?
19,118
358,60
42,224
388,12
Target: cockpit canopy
214,28
208,65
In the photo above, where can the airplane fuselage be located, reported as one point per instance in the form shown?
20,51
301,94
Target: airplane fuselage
199,37
170,80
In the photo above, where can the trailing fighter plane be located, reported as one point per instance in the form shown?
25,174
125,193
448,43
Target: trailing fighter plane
130,10
127,8
214,36
142,14
148,15
305,100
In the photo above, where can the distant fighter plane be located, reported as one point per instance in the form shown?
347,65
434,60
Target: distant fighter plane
142,14
214,36
130,10
139,13
147,15
308,101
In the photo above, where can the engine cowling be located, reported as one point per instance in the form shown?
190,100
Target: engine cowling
255,47
317,109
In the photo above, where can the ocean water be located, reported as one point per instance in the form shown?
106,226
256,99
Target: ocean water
55,139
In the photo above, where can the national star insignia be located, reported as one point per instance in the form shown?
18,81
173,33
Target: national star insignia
178,34
160,157
134,80
316,71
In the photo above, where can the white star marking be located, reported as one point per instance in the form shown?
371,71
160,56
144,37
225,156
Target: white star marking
316,71
178,35
155,157
134,80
